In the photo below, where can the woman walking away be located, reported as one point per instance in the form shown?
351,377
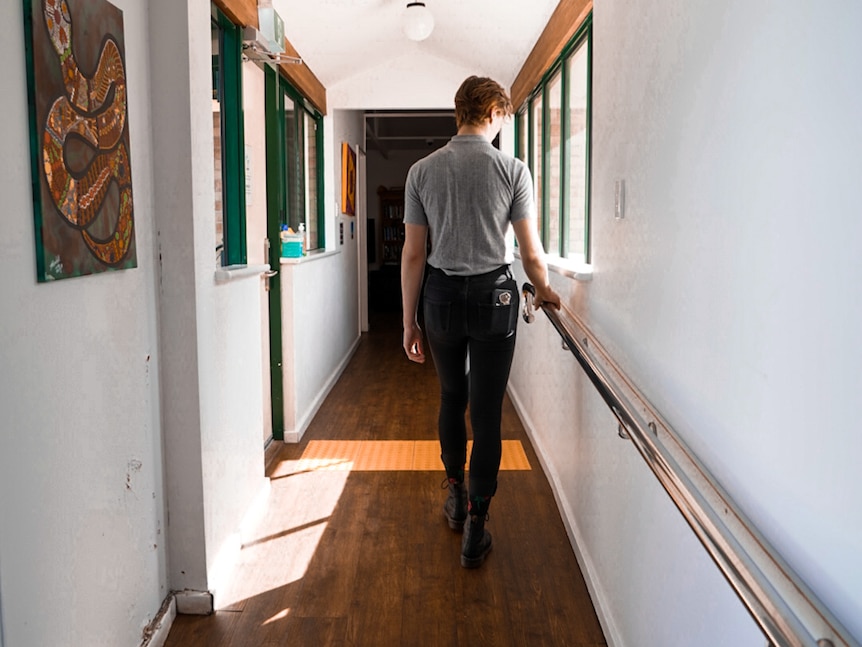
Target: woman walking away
466,197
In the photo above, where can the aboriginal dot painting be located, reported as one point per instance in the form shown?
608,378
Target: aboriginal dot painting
79,138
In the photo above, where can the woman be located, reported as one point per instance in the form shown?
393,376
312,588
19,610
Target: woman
466,196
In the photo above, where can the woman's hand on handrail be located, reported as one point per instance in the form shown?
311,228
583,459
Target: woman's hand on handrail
546,296
533,260
531,303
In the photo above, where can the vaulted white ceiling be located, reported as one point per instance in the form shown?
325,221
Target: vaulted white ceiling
358,50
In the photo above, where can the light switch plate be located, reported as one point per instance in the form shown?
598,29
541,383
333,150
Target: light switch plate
619,199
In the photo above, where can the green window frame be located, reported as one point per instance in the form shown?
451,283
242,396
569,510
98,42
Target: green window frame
228,135
294,161
552,135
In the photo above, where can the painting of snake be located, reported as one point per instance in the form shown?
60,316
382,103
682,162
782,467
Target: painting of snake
81,166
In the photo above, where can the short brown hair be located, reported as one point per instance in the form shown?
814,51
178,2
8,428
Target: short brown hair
475,99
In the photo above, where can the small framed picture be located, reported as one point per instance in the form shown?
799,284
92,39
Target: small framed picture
348,179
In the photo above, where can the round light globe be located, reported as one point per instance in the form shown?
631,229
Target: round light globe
418,21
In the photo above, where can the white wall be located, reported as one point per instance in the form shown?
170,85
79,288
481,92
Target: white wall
254,117
320,299
382,86
211,331
82,538
320,332
728,293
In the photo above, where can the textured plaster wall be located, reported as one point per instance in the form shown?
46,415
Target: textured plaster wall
82,520
728,294
210,331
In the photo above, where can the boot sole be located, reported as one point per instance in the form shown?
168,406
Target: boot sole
475,562
455,524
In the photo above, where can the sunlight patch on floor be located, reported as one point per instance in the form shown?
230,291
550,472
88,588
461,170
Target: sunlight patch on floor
287,551
281,615
391,455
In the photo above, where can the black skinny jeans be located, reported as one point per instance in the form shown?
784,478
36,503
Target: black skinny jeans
470,323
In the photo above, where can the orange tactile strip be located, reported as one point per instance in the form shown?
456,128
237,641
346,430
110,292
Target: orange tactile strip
392,455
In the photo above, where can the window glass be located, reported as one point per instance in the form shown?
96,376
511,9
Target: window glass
293,167
217,138
536,155
576,146
311,171
553,156
294,175
521,136
301,171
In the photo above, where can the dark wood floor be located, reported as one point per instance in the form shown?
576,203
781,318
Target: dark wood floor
365,558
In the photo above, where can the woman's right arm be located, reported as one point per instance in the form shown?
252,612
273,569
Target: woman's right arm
533,260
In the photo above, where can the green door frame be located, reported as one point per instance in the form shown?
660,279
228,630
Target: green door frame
275,199
277,92
232,136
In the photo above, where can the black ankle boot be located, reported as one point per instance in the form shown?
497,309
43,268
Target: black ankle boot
476,543
455,507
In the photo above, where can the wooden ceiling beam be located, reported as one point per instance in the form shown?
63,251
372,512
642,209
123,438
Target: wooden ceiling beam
303,79
240,12
564,23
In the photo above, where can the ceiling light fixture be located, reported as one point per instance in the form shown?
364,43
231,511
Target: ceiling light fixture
418,21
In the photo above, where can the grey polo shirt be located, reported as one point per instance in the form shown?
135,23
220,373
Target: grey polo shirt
467,194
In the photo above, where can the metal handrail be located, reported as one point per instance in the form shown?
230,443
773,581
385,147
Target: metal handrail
787,611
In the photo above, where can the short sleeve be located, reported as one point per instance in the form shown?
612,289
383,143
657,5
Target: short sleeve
523,201
414,212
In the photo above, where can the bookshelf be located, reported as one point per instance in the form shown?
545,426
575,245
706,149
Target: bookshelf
391,223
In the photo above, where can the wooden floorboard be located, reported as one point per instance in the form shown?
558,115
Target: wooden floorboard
365,558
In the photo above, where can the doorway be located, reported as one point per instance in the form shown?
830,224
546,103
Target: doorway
394,139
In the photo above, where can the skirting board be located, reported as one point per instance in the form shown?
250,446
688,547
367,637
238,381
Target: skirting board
156,633
194,603
600,601
295,435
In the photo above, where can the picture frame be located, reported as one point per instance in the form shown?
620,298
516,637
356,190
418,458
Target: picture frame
80,157
348,179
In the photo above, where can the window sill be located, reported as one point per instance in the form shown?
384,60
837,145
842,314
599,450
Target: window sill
236,272
315,255
576,270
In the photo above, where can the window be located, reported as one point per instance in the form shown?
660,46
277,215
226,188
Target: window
577,156
536,157
554,139
553,122
312,178
295,132
228,147
521,147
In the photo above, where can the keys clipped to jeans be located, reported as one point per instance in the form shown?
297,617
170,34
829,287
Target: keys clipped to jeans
502,298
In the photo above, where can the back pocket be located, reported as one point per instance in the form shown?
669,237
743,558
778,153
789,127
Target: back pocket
499,318
438,315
